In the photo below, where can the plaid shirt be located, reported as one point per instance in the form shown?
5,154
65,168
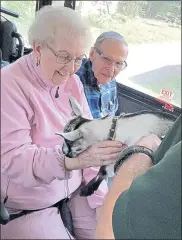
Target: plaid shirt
101,100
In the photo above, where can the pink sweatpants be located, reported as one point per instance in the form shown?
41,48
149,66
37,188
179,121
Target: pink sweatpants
47,224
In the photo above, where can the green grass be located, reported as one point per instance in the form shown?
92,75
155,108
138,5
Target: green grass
173,84
153,89
140,31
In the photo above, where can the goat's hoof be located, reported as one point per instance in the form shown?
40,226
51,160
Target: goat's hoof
85,192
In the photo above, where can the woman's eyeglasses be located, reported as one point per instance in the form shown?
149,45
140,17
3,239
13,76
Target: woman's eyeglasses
64,57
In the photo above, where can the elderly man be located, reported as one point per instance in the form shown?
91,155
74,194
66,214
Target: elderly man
106,60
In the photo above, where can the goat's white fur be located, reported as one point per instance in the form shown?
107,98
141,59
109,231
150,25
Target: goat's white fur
128,130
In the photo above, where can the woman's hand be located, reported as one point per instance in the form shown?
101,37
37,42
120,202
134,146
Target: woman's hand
99,154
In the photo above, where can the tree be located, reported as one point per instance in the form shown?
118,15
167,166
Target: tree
26,11
130,8
79,7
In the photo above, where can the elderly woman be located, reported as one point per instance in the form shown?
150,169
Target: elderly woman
35,175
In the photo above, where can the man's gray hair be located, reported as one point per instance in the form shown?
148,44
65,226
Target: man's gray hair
109,35
55,22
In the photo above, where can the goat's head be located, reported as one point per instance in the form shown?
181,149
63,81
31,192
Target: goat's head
79,132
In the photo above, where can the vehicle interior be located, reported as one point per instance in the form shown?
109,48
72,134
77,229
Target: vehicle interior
133,95
152,80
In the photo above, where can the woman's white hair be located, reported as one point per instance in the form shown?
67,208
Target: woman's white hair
53,22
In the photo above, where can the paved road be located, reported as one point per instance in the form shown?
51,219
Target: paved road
154,65
147,57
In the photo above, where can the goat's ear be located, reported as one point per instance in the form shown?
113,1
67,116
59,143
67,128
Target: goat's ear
71,136
76,107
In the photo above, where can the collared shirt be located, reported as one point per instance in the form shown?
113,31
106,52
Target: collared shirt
4,63
101,100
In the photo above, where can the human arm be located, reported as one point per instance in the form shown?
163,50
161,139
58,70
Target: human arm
26,163
130,169
150,209
22,161
121,182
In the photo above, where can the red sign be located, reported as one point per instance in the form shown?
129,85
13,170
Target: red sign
166,94
165,98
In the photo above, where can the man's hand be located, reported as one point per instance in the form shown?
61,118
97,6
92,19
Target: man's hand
151,141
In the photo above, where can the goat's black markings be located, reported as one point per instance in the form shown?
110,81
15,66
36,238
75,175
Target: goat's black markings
75,123
93,185
113,128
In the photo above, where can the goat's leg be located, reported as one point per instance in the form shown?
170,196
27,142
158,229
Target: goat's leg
93,185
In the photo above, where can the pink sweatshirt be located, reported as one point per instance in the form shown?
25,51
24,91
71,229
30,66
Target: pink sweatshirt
32,164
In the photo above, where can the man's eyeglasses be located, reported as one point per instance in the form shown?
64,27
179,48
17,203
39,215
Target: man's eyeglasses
120,65
64,57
